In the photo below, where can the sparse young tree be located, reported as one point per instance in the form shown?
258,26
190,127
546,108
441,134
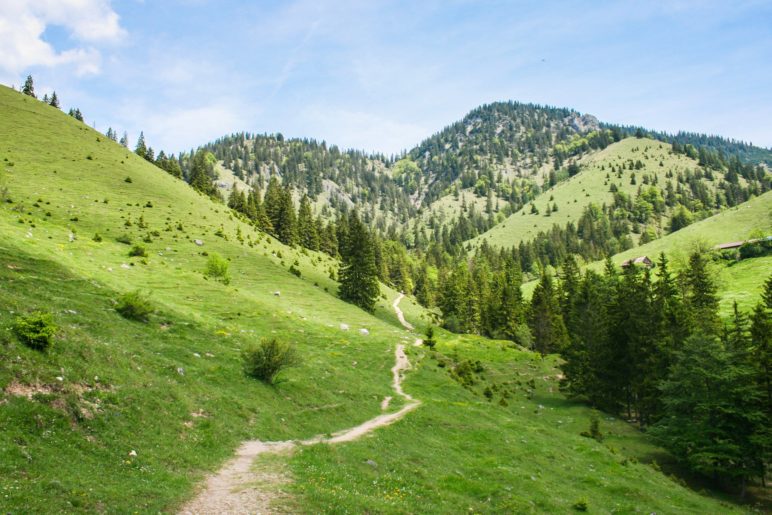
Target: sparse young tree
29,87
54,102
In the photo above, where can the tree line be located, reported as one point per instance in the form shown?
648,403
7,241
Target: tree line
648,346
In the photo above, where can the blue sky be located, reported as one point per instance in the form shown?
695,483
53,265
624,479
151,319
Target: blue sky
381,76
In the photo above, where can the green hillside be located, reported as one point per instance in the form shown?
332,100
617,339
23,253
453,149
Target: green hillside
741,281
593,185
122,416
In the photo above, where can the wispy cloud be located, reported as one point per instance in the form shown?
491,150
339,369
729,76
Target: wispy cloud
382,75
23,23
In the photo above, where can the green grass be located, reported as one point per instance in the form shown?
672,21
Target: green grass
743,282
590,186
460,452
173,389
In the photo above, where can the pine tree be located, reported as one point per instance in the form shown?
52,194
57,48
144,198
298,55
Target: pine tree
569,288
711,411
261,217
202,173
125,140
237,201
358,275
29,87
170,165
701,298
272,201
329,240
141,148
586,356
285,225
54,102
546,322
423,290
309,238
761,345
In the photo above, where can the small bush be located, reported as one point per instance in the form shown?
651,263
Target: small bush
217,268
488,393
138,251
134,306
124,238
97,238
266,360
35,330
594,431
128,179
429,341
581,505
294,271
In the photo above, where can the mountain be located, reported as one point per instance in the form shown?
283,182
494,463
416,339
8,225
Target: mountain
494,162
122,415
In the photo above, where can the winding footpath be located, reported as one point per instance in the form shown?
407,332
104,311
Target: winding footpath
236,487
401,317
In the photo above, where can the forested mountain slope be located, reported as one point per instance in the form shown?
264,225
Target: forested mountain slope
499,157
641,189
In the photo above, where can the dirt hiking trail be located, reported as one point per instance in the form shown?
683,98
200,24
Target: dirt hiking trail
235,488
401,317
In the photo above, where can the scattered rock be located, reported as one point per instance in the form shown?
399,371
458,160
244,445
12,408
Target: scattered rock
196,354
125,266
181,371
71,311
344,327
364,331
59,378
209,355
133,453
72,237
372,463
200,243
277,293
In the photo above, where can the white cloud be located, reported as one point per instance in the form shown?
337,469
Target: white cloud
23,23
